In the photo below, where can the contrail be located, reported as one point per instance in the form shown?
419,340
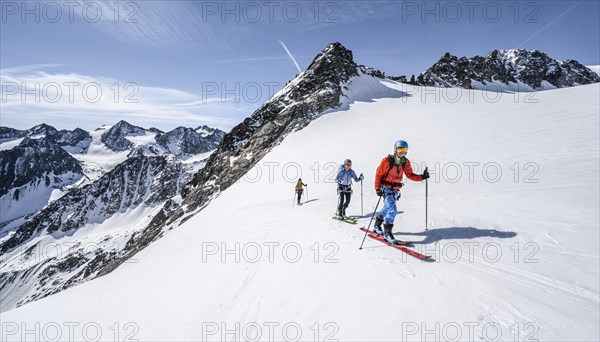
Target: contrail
550,23
290,54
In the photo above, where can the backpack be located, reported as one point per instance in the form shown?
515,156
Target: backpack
391,164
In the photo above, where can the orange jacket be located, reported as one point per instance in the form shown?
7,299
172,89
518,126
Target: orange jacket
394,176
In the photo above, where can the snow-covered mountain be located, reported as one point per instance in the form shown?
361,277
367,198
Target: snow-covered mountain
323,86
513,231
514,69
59,191
115,137
62,138
79,224
42,163
31,171
112,145
206,131
35,164
183,140
506,260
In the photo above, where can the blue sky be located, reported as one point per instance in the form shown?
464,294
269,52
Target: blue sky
177,59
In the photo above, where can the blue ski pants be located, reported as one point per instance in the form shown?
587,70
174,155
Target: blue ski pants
389,209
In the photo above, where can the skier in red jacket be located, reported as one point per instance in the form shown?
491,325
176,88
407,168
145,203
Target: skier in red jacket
388,181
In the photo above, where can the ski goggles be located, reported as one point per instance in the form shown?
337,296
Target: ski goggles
402,149
348,164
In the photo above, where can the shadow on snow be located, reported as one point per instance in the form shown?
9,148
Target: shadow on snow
457,233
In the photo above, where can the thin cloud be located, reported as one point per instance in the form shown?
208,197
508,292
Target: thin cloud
291,57
32,67
56,103
160,24
550,23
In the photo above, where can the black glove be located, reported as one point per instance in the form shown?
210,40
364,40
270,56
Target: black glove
398,195
379,192
425,174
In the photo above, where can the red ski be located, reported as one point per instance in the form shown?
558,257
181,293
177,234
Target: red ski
399,247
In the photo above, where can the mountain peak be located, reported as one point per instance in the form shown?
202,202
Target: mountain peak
122,124
114,138
335,57
337,49
513,68
42,129
205,131
187,140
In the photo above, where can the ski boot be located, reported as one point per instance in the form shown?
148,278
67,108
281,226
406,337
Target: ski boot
378,222
377,230
387,234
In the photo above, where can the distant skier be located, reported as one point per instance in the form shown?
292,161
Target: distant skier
299,189
344,186
388,181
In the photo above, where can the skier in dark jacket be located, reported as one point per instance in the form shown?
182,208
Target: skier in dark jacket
344,186
388,181
300,189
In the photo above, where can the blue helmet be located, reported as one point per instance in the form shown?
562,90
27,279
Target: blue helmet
399,144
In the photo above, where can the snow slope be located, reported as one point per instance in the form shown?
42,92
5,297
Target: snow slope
34,196
594,68
89,241
515,248
98,159
8,145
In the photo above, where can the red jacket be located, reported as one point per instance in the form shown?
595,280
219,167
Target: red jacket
394,176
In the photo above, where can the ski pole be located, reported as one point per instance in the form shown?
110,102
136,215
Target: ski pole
426,199
306,186
361,198
369,227
337,204
294,199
